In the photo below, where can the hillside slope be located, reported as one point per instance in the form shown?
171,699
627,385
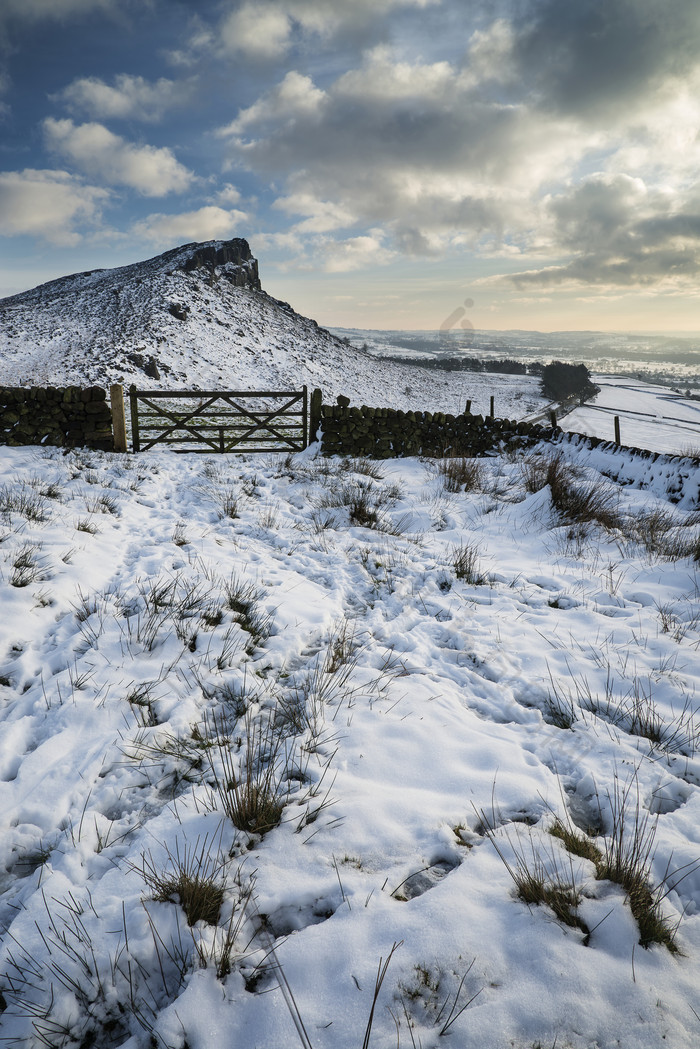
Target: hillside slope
198,314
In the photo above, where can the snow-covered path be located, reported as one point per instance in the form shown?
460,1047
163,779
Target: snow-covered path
426,677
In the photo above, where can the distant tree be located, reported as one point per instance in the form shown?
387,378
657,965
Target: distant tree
560,380
508,367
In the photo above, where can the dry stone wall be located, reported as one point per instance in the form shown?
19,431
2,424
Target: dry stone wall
65,416
386,433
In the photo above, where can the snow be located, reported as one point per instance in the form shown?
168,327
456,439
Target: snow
651,416
422,756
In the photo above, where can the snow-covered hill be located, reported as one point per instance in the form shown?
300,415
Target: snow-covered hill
198,315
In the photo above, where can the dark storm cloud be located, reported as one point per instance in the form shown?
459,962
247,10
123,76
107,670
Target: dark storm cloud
588,56
616,233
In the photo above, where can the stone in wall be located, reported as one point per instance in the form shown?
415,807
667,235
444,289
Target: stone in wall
66,417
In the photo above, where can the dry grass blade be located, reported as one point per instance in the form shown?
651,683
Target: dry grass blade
455,1013
381,973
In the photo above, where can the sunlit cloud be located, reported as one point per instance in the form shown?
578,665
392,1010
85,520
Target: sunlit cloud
356,253
152,171
129,97
206,223
53,205
323,215
295,97
266,30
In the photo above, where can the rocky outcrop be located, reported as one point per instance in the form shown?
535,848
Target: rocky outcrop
233,257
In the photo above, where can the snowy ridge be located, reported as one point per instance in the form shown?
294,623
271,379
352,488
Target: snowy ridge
105,326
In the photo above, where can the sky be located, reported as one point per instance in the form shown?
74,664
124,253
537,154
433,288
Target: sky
393,163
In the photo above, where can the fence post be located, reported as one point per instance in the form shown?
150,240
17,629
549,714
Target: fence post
116,396
468,409
315,414
553,419
617,430
134,419
491,410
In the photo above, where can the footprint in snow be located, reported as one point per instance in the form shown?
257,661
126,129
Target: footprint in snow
422,880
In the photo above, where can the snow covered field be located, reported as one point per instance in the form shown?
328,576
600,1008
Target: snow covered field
320,714
651,416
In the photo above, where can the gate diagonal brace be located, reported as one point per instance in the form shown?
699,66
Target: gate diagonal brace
192,422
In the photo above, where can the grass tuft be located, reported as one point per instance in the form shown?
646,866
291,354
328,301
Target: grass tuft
249,784
24,501
461,474
576,842
627,858
244,600
539,879
192,878
465,561
27,566
574,502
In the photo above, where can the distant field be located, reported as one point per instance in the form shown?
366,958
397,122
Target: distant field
651,416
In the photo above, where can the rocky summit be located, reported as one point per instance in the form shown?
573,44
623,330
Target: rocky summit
193,316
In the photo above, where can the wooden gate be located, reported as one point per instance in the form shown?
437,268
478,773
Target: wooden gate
219,421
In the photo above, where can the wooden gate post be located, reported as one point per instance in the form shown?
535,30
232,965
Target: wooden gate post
116,395
617,430
134,418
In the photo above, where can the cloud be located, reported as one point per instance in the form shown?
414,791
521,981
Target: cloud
131,97
47,204
259,30
228,194
612,230
38,9
323,215
603,56
492,150
356,253
152,171
409,146
384,79
206,223
16,14
296,96
267,30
